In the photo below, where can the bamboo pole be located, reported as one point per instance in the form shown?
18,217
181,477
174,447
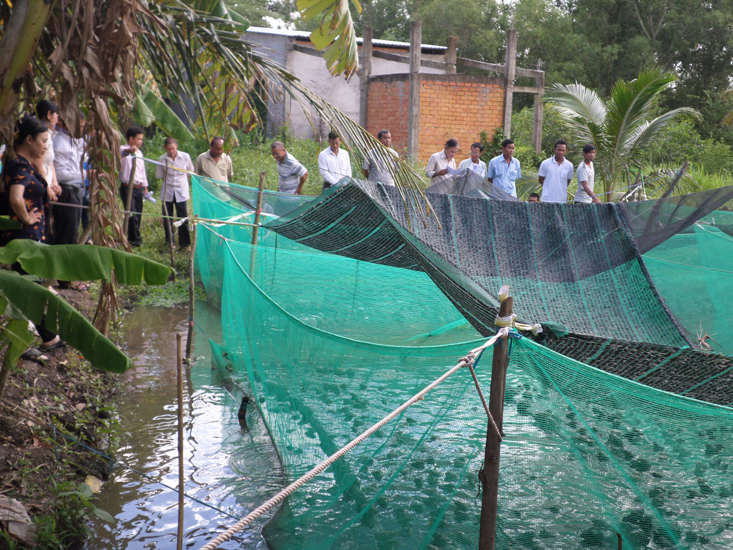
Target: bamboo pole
490,475
191,288
128,201
181,483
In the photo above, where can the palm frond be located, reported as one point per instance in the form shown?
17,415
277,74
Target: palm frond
649,132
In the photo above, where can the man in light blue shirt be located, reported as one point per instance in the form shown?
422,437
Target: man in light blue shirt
505,169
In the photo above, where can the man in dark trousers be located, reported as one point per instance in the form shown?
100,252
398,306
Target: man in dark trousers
173,169
134,136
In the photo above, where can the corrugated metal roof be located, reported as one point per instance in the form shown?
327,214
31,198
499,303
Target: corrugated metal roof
426,48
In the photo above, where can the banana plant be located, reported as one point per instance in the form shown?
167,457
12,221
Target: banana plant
22,300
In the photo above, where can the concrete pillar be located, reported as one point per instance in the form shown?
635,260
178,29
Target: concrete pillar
366,70
451,55
539,111
413,129
510,68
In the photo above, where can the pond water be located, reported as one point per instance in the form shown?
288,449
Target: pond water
228,467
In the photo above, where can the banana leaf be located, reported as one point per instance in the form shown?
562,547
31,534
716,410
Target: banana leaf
164,117
7,223
73,262
33,301
141,113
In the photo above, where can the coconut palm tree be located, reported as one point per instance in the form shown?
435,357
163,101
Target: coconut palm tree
621,127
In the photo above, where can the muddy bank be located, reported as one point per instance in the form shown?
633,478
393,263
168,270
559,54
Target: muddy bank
37,463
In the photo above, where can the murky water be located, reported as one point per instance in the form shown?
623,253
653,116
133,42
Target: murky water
227,467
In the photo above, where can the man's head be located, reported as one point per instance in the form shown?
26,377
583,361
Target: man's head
589,152
216,147
334,141
533,197
476,149
561,149
451,148
278,151
134,136
385,137
171,146
507,148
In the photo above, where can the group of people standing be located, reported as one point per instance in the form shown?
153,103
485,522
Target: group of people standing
503,171
174,169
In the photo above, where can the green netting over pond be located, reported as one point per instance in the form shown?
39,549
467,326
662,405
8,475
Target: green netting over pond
328,344
587,454
694,275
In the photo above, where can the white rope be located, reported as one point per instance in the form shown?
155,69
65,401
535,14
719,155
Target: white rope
278,498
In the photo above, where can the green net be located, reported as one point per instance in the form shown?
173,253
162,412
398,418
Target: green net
694,275
328,345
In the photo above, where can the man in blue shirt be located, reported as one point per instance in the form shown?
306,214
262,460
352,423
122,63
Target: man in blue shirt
505,169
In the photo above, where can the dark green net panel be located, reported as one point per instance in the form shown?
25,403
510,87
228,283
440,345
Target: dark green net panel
329,344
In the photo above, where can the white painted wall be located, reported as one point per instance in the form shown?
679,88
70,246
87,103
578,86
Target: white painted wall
312,72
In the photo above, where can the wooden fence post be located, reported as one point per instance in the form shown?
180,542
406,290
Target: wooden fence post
366,70
490,475
539,111
413,125
181,481
191,289
451,55
510,69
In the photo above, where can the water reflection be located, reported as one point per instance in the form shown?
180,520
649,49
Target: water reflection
231,469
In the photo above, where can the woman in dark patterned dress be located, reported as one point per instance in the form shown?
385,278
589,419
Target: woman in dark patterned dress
24,197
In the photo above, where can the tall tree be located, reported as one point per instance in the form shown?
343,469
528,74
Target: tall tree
624,126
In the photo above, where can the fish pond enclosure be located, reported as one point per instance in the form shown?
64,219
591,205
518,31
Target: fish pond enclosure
617,427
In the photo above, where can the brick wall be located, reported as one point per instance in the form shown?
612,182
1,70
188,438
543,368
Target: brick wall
389,101
460,107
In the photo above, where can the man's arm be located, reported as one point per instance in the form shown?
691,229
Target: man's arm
589,192
542,173
491,172
299,190
365,168
230,168
197,167
323,169
348,165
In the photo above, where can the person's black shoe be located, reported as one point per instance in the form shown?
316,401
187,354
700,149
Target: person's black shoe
136,244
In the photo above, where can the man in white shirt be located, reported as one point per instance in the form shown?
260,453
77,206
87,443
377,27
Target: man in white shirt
68,161
374,169
132,156
474,162
333,163
175,189
586,177
505,170
215,164
291,175
555,175
439,163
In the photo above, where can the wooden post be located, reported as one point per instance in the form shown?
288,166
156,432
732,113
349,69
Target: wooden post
413,127
128,202
490,477
451,55
539,111
181,482
191,281
258,211
167,219
253,252
510,69
366,70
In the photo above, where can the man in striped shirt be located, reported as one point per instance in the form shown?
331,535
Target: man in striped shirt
291,174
